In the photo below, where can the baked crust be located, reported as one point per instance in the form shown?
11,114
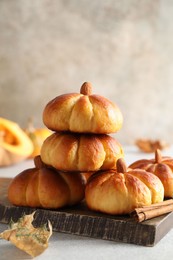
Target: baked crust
46,188
81,152
82,113
118,193
162,167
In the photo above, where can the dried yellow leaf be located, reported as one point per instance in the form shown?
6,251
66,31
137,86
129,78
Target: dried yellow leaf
26,237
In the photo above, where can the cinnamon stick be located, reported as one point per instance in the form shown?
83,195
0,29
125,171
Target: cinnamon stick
154,210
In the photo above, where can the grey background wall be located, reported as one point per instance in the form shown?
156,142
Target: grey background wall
124,48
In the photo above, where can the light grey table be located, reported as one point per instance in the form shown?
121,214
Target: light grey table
65,246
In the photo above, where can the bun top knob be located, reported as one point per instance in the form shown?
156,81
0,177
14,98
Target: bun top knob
86,88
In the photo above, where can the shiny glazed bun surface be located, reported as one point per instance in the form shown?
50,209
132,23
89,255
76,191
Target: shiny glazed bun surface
82,113
81,152
118,192
46,188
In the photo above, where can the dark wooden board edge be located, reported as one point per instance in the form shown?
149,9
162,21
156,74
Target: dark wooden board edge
80,221
86,225
164,227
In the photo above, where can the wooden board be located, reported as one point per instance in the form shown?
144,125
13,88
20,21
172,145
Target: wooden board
79,220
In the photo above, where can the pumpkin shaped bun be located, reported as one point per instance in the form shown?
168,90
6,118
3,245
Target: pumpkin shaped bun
45,187
81,152
82,113
121,191
162,167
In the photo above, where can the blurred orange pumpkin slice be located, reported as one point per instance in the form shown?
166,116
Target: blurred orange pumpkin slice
15,145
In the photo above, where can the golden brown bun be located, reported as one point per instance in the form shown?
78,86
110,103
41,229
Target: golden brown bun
162,167
80,152
115,192
82,113
46,188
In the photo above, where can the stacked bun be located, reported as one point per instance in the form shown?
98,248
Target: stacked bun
44,187
81,124
79,146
